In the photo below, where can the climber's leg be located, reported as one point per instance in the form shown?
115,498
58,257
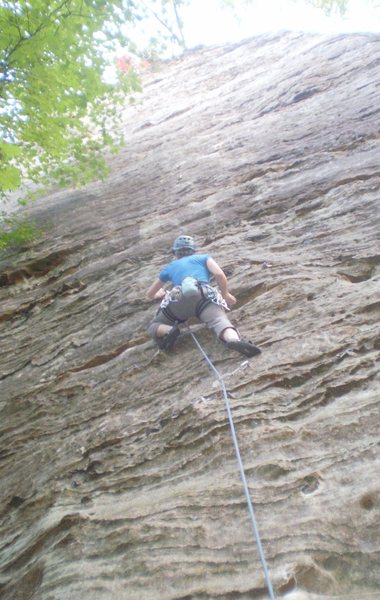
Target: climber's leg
215,318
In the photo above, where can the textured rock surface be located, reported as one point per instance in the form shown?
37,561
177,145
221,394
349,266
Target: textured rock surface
118,477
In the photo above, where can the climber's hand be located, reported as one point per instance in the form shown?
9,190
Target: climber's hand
159,295
230,299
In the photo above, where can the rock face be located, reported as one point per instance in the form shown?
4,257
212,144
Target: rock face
118,475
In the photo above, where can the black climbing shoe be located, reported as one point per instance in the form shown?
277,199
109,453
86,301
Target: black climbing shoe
246,348
167,342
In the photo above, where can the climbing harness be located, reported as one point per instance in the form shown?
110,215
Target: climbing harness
241,467
209,295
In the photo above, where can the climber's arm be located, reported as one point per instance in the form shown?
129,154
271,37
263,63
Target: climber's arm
156,291
221,280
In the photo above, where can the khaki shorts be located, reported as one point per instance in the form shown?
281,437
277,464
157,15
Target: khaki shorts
212,315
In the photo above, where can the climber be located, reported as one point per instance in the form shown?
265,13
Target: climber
191,295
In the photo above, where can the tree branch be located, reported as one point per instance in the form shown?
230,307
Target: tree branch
166,25
179,23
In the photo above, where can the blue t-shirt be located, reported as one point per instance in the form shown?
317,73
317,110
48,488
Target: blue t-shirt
194,265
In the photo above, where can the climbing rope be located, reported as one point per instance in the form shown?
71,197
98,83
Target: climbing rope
241,467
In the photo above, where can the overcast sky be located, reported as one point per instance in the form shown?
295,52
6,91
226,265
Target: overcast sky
206,23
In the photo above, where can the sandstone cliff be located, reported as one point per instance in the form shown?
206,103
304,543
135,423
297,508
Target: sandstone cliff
118,476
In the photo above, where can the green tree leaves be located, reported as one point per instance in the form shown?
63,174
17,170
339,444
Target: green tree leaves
53,99
16,231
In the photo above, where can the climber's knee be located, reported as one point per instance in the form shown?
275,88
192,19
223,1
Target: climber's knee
229,334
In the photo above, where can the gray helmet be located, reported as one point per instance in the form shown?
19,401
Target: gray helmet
184,242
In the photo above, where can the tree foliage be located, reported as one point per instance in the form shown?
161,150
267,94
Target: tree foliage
55,108
16,230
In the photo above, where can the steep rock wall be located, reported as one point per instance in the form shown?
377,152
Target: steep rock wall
118,474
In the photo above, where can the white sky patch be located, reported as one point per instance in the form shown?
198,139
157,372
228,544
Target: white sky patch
206,23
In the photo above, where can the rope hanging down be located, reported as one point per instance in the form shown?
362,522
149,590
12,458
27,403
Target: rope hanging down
241,467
